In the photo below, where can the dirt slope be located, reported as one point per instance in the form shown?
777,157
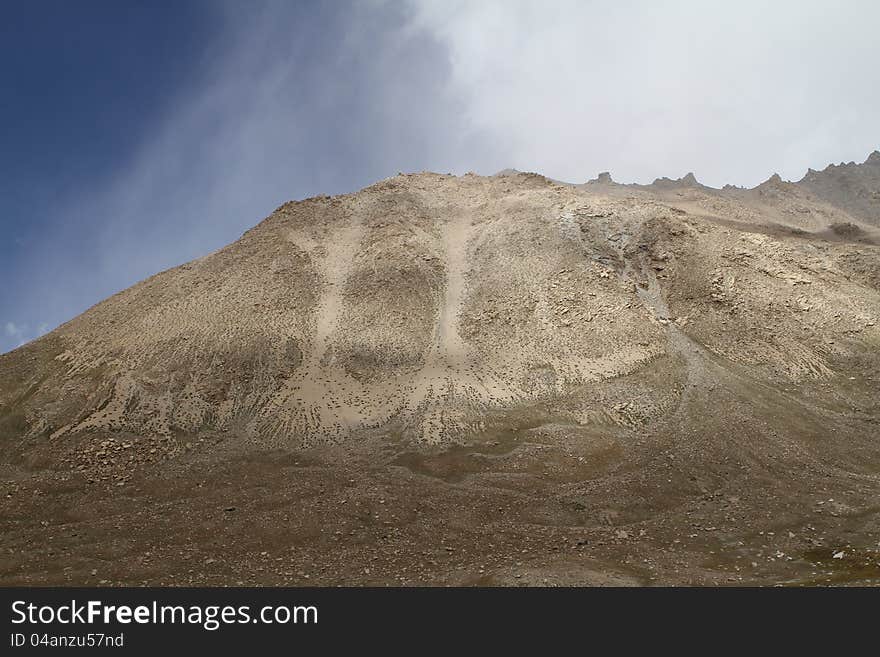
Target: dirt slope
612,358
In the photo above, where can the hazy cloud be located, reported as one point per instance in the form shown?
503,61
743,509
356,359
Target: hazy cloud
18,334
731,91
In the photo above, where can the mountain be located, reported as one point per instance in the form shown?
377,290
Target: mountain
623,358
851,187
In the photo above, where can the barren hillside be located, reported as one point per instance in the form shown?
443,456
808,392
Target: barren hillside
628,364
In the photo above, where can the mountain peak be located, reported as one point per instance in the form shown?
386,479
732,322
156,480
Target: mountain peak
853,188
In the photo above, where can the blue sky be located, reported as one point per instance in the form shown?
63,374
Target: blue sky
82,86
135,135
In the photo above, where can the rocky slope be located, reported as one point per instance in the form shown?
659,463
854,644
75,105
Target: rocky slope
430,302
637,346
852,187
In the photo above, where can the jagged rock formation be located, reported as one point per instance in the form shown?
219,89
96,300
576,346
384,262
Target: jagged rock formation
604,178
688,180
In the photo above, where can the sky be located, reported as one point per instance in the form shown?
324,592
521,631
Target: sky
135,135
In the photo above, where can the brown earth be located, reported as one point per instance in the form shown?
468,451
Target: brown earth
471,380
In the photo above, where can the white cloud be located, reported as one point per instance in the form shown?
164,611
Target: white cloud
731,91
17,334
